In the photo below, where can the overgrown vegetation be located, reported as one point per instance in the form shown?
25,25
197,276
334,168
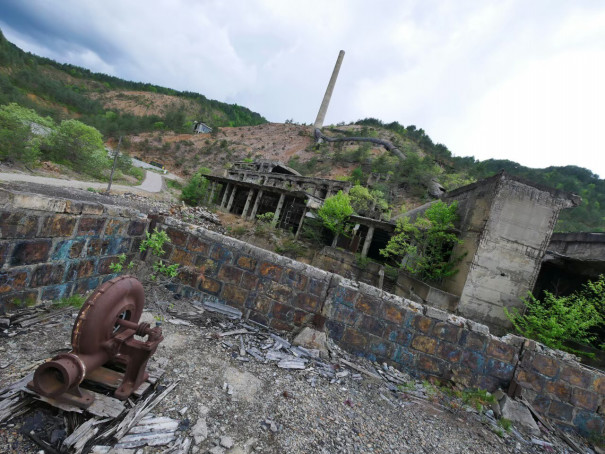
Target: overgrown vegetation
334,213
75,301
558,321
423,246
153,242
196,189
64,91
27,138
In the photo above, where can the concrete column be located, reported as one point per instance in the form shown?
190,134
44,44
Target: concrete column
300,224
250,192
259,196
225,195
319,121
212,190
280,204
367,242
231,199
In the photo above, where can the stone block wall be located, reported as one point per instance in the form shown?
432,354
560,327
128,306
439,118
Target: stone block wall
52,248
421,339
270,289
558,387
427,342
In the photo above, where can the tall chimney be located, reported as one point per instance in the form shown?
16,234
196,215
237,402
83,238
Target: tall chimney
319,121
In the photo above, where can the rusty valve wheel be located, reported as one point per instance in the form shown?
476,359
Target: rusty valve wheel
103,333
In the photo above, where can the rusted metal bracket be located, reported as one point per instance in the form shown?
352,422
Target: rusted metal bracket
104,333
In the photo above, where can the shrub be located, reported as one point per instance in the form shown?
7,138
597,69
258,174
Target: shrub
195,190
18,143
334,213
78,145
558,320
423,247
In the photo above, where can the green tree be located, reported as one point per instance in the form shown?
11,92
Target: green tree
558,320
18,139
197,187
334,213
363,200
423,247
79,146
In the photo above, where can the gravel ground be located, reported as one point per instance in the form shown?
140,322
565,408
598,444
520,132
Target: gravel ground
255,406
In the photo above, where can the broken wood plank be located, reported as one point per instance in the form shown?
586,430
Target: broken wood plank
13,407
234,332
41,318
84,432
136,441
360,369
16,387
292,362
102,406
140,410
228,311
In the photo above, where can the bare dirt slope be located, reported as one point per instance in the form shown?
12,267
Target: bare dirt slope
185,153
141,103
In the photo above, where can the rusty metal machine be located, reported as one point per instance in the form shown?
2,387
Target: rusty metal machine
103,334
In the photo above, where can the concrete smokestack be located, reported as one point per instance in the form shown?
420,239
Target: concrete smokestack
319,121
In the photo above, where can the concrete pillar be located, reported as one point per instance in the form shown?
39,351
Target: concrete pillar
355,238
319,121
225,195
300,224
231,199
367,242
280,204
250,192
259,196
212,191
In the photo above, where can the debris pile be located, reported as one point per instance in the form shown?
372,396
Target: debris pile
199,216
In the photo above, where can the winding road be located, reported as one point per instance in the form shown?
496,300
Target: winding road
153,182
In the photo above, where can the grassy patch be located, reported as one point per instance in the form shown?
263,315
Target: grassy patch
506,424
477,398
71,301
173,184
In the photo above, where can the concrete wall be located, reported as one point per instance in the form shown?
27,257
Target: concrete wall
52,248
579,246
420,292
506,226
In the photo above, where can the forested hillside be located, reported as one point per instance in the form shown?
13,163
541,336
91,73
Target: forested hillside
157,122
65,91
430,160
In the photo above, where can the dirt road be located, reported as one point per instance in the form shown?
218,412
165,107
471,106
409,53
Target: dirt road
152,183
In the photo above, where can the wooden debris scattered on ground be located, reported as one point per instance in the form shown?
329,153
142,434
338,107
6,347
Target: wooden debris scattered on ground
109,419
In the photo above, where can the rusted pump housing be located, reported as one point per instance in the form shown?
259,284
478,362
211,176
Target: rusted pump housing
103,333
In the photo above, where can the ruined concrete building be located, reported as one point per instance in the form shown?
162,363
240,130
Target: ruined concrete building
505,223
252,189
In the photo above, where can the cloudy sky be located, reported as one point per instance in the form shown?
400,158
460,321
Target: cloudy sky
507,79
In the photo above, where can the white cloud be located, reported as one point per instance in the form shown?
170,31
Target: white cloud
508,79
